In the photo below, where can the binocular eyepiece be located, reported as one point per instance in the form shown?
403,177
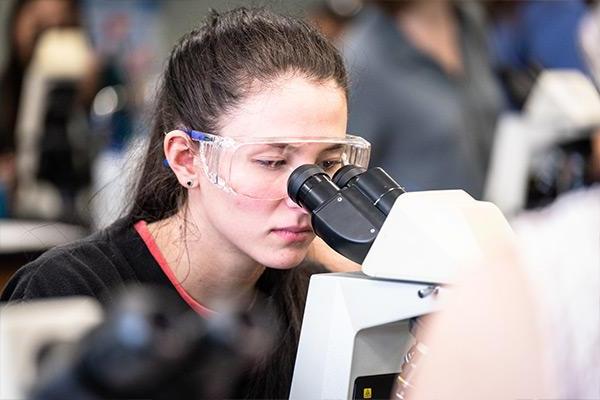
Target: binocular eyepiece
348,209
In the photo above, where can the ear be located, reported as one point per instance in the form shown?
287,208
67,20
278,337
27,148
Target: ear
179,151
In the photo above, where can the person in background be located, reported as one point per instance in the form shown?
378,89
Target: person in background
423,91
332,17
245,99
28,19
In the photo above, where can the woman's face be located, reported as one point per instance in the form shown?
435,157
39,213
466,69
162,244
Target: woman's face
274,233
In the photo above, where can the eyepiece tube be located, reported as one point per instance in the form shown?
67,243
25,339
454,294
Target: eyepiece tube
311,187
344,218
346,174
380,188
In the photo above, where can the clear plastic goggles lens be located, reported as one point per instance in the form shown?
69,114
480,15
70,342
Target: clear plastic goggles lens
261,170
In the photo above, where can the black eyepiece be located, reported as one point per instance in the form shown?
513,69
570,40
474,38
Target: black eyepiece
375,184
348,211
345,174
311,187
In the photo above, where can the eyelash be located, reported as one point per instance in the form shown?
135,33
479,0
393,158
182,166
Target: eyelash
274,164
328,164
270,164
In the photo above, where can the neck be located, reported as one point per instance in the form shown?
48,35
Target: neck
428,11
213,276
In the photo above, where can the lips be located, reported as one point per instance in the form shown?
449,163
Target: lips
295,229
293,233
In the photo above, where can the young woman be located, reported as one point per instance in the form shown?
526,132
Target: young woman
245,99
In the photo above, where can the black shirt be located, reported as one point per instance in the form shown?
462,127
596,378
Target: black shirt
97,266
101,265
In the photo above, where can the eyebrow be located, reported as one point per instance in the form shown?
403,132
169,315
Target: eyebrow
279,146
333,147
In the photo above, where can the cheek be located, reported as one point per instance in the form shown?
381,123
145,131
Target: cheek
252,210
242,216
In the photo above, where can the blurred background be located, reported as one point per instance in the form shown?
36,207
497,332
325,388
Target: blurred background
499,98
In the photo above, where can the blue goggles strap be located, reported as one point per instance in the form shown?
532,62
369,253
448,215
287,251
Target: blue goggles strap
197,135
194,135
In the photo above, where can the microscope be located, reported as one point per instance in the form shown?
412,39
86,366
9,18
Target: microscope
53,147
358,326
548,143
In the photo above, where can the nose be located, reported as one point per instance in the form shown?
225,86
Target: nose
291,204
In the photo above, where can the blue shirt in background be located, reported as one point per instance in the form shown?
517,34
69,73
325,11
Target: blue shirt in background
542,34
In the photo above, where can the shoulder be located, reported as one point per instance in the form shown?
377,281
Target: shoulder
87,267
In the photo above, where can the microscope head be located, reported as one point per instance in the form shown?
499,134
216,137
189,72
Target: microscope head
419,236
347,210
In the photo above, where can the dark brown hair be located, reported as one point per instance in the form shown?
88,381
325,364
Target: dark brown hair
209,72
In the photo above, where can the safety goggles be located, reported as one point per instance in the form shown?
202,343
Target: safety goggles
259,168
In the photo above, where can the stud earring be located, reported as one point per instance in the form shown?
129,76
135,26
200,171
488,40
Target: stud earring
189,183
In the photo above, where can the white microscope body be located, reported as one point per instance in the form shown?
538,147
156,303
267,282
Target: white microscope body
355,331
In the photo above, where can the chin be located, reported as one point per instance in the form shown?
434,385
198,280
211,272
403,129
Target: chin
285,259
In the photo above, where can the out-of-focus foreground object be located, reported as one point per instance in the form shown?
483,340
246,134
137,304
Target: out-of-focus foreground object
528,324
147,344
25,327
486,342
